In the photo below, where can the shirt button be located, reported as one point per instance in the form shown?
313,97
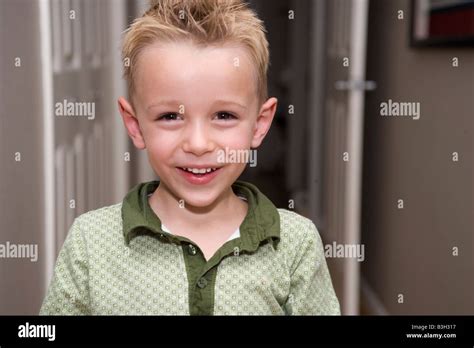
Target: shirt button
191,249
202,283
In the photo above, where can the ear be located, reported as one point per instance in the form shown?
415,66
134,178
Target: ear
131,123
264,121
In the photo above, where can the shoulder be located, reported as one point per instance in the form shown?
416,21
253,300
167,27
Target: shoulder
296,226
97,223
111,214
298,235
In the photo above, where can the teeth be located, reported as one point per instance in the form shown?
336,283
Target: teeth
200,171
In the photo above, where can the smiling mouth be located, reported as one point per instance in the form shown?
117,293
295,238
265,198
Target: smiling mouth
199,171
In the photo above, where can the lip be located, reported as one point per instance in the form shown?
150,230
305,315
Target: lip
198,179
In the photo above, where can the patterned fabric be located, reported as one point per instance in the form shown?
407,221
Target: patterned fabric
293,280
97,272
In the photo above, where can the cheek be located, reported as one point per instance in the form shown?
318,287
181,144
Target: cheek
237,138
161,144
239,141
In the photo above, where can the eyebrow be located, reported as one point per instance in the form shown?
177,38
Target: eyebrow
176,102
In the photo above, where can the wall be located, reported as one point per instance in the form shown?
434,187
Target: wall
409,250
21,182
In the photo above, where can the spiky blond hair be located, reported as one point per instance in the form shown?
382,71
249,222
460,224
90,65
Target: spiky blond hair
203,22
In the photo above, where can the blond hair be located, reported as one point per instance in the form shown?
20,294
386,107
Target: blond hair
204,22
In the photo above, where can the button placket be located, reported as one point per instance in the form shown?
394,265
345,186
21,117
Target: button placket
202,282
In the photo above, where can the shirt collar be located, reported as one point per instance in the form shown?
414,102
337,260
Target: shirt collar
261,223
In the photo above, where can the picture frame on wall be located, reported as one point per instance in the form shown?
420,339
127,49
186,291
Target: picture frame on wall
442,23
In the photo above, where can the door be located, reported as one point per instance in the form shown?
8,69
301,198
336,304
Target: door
85,145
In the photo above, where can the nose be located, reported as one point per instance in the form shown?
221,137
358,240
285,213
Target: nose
197,140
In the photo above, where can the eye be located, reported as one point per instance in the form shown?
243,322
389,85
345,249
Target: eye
168,117
226,116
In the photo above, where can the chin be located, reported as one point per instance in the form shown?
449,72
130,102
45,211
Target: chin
199,200
202,196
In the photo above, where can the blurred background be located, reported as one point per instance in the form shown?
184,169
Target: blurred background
400,188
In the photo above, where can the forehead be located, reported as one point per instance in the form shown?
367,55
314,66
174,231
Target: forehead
184,71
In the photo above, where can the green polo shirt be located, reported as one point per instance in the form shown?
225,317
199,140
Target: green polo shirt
119,260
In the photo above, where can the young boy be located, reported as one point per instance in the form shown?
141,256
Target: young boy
198,241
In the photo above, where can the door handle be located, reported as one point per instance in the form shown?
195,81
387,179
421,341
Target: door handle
355,85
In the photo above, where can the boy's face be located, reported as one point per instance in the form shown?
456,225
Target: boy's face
190,106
